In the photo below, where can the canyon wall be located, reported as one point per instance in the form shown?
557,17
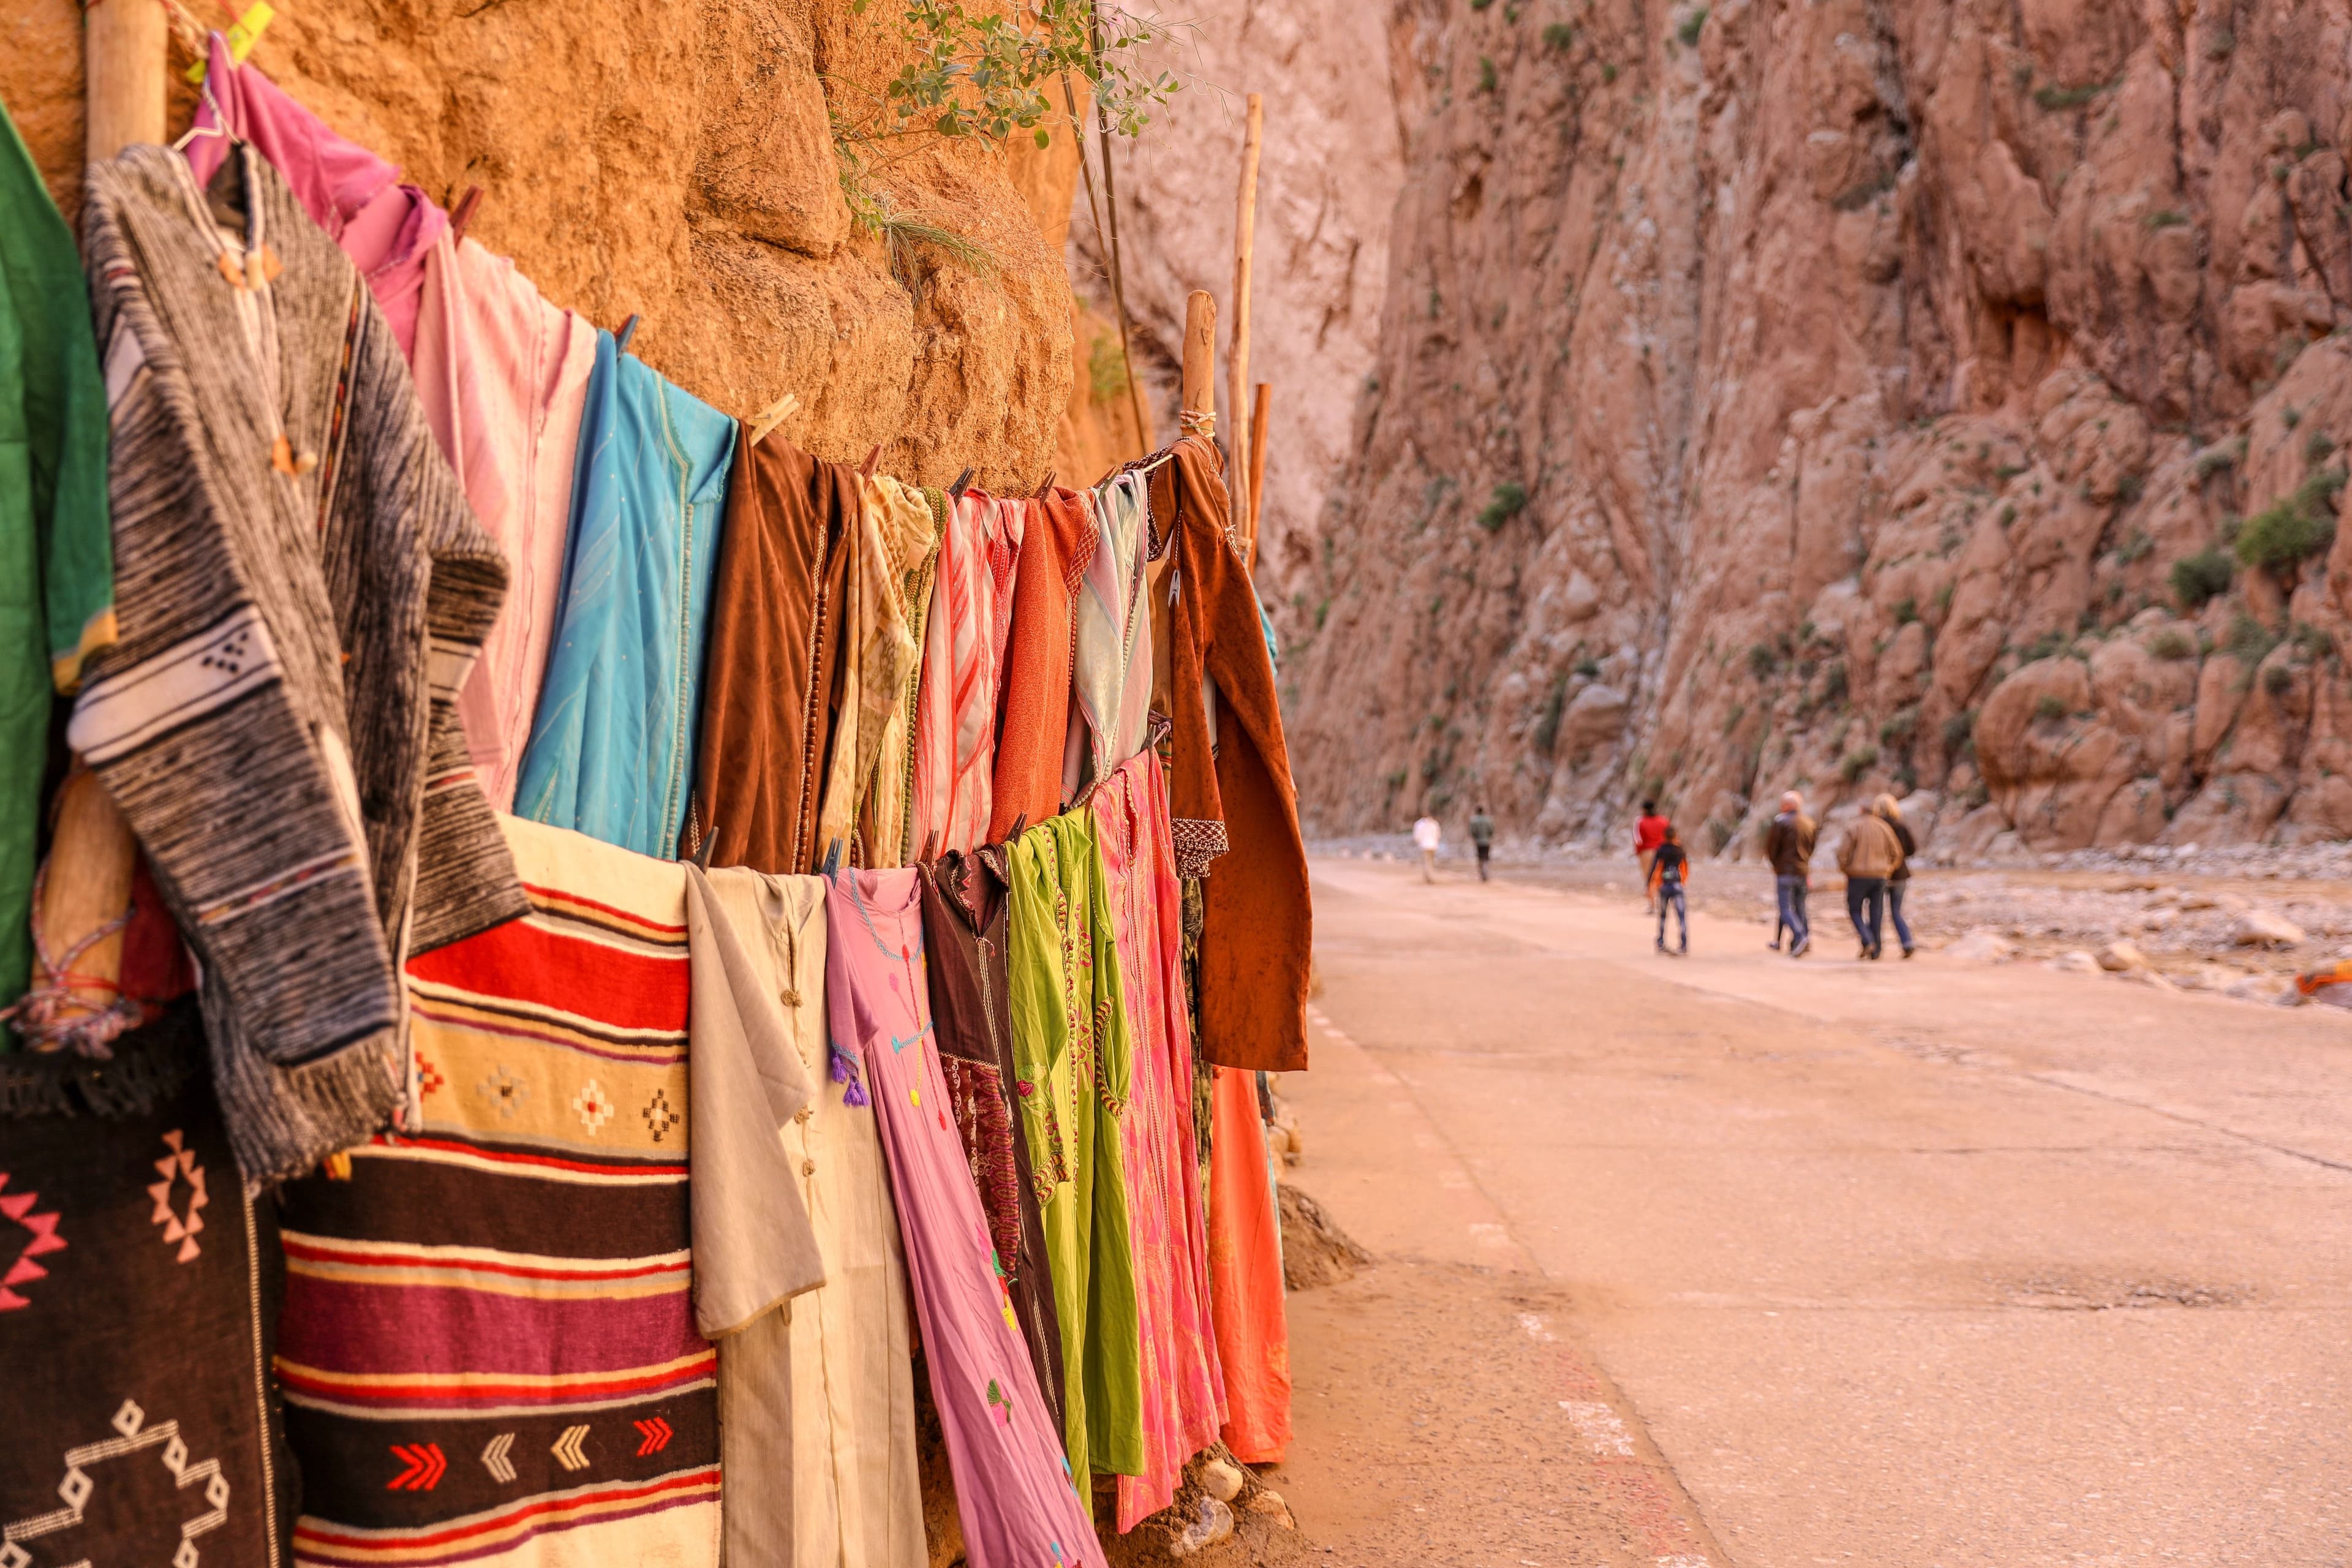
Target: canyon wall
1948,397
677,162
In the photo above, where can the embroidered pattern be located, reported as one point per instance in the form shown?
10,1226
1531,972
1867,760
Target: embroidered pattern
593,1106
659,1115
506,1092
428,1076
178,1167
22,1270
1197,842
79,1486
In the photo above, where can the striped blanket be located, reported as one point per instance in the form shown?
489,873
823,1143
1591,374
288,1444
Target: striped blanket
489,1349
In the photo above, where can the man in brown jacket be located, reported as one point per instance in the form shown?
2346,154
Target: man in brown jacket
1868,857
1788,845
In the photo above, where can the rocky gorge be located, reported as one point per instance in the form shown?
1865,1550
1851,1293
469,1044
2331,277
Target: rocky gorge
1949,399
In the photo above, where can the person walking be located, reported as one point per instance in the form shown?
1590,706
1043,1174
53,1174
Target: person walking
1789,845
1648,834
1669,869
1868,855
1482,839
1426,837
1898,881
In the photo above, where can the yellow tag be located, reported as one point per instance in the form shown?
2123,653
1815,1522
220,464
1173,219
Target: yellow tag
242,34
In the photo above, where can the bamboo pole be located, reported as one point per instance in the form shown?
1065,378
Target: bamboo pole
1260,409
1201,356
1237,362
123,56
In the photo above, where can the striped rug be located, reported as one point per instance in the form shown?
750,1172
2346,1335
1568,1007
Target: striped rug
488,1349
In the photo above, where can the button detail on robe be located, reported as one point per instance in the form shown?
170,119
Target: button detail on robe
803,1114
808,1167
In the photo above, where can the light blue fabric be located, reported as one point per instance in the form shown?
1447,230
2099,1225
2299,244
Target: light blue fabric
612,745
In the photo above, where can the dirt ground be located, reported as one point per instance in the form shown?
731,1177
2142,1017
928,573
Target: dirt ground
1729,1260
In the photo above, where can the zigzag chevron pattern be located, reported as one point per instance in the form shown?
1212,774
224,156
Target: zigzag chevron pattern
495,1460
567,1448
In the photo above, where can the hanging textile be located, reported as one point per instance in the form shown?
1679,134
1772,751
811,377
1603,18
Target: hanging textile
964,919
1230,786
775,636
387,228
56,558
1071,1046
1034,720
1014,1492
488,1345
963,663
1245,1275
910,527
300,594
503,377
611,742
1183,1387
135,1245
1110,666
877,647
816,1405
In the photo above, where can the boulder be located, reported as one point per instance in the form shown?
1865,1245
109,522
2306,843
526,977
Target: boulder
2266,927
2075,962
2120,957
1982,946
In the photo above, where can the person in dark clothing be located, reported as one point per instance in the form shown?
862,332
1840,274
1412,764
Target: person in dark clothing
1669,869
1481,838
1898,881
1789,845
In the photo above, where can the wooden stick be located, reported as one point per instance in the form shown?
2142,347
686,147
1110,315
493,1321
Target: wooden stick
123,55
91,856
1201,356
1244,521
1258,414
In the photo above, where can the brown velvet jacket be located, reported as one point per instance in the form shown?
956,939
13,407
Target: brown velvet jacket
1235,810
768,693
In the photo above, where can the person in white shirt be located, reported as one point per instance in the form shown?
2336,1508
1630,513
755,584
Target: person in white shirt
1427,834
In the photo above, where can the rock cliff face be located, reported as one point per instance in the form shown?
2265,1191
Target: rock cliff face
675,162
1948,397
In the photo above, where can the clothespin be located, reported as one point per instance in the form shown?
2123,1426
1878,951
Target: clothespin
702,854
1047,487
775,413
833,859
628,329
242,34
464,214
964,482
872,458
932,846
1019,823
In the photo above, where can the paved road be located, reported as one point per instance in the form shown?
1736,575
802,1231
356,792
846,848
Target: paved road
1891,1263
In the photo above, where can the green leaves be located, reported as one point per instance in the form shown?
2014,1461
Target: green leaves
992,75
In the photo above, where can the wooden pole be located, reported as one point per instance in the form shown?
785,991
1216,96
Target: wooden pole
1201,355
1259,411
124,45
1201,403
1237,362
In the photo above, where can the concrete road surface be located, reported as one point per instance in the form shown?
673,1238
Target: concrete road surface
1889,1264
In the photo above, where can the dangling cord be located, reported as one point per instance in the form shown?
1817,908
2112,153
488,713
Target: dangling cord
51,1018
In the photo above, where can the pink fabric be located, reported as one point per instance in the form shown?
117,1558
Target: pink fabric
1183,1385
385,227
503,376
1014,1494
963,663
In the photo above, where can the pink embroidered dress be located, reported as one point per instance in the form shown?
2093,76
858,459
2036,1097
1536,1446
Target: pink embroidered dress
963,665
1013,1485
1183,1386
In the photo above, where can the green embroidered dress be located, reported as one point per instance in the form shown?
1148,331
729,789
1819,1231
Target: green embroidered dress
1074,1053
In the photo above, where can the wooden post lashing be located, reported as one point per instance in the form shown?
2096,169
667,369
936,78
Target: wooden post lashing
124,45
1259,412
1238,362
1201,355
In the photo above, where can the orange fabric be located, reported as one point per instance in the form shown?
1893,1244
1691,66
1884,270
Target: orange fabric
1245,1275
1032,722
1232,797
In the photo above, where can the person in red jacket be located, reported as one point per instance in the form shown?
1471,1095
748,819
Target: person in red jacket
1648,834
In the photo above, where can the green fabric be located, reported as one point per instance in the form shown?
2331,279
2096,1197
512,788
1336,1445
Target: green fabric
1075,1055
57,556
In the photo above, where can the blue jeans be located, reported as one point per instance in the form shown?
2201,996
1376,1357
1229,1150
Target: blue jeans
1866,905
1670,897
1895,912
1792,909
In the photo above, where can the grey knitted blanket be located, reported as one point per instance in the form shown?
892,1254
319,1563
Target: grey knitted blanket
300,591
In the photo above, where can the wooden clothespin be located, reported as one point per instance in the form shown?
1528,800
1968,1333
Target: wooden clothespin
833,859
932,846
1019,823
1047,487
775,413
628,329
463,214
872,458
964,482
